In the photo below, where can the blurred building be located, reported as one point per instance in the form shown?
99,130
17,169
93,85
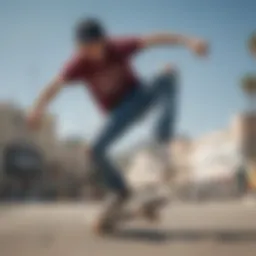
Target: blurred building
73,155
145,169
207,165
61,164
226,147
180,152
13,128
223,162
14,133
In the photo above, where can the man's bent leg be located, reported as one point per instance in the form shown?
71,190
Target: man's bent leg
165,88
120,120
163,91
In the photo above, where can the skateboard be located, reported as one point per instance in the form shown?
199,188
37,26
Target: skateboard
149,211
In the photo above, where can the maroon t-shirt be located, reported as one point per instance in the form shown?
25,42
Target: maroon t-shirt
111,79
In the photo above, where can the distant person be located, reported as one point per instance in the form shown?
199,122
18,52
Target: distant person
103,63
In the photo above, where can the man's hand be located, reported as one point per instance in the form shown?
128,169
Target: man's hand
34,119
199,47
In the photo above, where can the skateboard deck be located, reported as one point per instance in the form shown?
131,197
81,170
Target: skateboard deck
149,211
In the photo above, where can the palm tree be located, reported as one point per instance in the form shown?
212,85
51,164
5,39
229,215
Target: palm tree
252,44
249,87
249,83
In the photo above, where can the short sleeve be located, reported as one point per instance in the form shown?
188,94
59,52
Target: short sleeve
71,71
129,46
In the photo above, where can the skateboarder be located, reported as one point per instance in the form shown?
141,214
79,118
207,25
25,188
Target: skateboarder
103,63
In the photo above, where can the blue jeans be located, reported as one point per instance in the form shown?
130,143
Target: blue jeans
137,103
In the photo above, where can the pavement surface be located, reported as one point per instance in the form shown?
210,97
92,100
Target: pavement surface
227,228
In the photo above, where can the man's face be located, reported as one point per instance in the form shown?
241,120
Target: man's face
95,50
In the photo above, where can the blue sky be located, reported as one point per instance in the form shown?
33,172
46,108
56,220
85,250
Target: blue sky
36,38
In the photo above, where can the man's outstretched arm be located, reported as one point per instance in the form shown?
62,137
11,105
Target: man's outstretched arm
198,46
48,94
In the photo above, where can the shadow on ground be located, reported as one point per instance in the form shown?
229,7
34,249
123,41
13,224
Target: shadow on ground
158,236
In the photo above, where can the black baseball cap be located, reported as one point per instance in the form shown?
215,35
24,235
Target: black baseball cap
89,30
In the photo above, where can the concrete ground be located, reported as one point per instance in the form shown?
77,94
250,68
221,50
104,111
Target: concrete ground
227,228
